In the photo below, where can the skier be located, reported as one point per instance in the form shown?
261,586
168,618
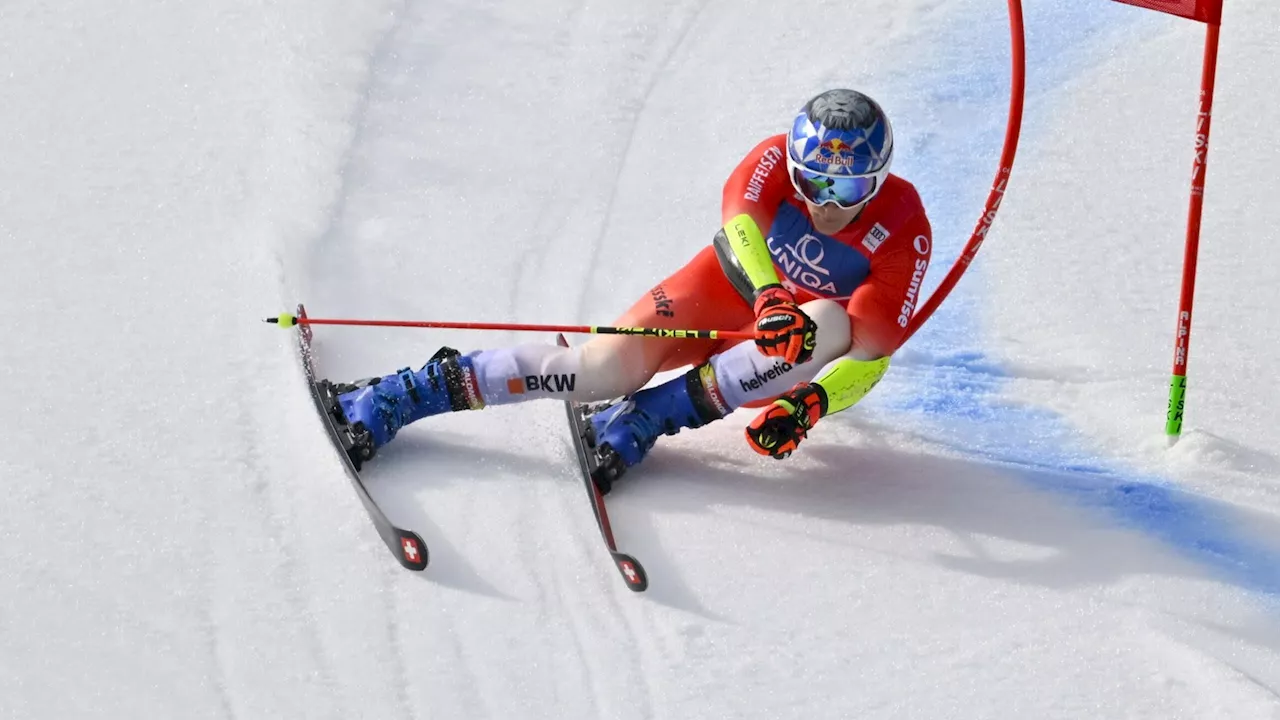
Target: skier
822,252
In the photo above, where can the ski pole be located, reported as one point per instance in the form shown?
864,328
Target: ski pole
287,320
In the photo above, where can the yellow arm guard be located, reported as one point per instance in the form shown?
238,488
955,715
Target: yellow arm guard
749,247
846,381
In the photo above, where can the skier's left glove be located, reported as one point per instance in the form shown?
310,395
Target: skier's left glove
778,430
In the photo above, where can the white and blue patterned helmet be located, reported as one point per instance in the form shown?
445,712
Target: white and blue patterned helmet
840,148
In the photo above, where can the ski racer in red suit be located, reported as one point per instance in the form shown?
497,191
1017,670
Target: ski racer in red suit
821,253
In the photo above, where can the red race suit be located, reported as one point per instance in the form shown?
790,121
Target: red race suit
874,266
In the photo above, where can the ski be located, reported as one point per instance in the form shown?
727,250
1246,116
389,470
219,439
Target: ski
405,545
630,568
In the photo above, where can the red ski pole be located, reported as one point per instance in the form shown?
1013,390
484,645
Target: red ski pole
288,320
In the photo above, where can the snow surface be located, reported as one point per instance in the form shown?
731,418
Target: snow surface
998,532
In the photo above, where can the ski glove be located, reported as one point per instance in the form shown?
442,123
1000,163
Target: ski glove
778,430
782,328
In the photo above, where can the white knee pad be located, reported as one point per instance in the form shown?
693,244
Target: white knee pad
833,337
746,375
615,367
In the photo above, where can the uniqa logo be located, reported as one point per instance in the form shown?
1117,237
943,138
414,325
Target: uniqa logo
803,262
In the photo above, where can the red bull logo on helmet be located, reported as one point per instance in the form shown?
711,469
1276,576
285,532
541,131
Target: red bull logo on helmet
837,152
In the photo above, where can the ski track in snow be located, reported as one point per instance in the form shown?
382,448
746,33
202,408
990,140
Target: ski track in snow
655,76
583,622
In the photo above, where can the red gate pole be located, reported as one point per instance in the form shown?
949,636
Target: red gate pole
1182,336
1017,91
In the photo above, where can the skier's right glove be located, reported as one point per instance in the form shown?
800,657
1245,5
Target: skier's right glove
778,430
782,328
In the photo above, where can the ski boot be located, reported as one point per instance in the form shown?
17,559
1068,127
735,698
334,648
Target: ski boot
373,410
356,440
623,433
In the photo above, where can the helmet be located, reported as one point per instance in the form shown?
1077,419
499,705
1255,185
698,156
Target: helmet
839,149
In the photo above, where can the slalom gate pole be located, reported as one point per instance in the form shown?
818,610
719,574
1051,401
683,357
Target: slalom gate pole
1017,91
287,320
1182,336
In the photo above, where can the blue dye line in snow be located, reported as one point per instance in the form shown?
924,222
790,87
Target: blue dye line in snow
955,382
1039,448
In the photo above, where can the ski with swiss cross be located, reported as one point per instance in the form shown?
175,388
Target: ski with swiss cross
405,545
632,571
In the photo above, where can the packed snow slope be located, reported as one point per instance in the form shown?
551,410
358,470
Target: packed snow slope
997,532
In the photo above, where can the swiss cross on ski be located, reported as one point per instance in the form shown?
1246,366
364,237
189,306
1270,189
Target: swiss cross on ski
630,573
410,547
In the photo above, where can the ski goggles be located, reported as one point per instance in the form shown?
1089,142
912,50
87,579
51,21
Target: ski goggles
845,191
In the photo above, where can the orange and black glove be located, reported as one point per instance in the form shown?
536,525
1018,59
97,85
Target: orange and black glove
778,430
782,328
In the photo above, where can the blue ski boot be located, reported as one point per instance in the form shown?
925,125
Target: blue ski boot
624,432
377,408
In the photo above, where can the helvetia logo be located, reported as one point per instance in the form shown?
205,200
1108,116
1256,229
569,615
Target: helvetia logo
759,379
